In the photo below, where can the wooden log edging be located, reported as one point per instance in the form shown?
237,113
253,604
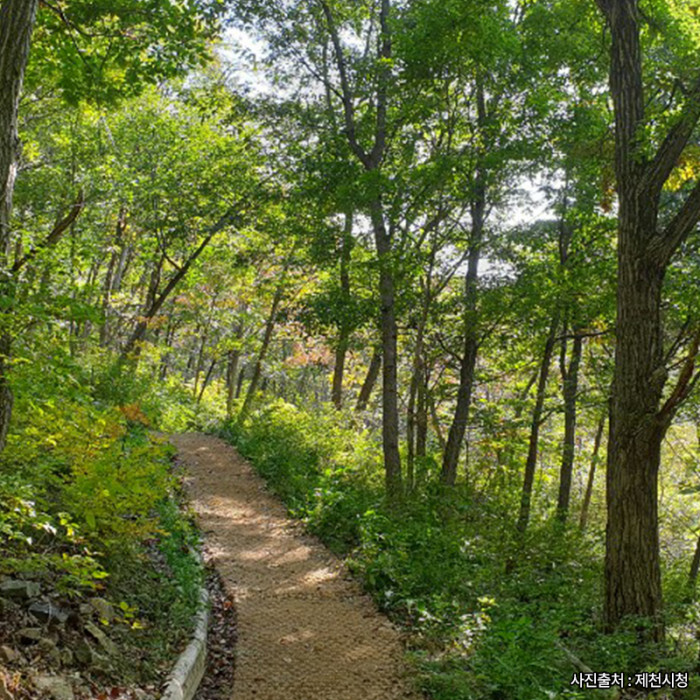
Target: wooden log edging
191,664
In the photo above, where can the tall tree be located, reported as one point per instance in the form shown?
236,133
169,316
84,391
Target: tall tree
17,19
639,418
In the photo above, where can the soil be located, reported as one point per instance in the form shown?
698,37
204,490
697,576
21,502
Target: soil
306,631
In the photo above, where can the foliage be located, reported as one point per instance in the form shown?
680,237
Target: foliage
436,564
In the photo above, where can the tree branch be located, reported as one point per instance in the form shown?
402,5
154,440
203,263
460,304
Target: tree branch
56,234
347,98
662,246
671,148
687,379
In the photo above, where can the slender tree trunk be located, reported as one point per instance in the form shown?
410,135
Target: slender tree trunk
436,422
167,356
455,437
569,391
694,566
199,366
390,394
257,370
414,393
239,383
207,379
422,413
370,380
110,276
535,424
344,329
585,506
234,357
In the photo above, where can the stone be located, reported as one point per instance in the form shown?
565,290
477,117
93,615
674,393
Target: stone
56,686
50,651
103,608
102,639
19,590
8,655
30,634
45,611
83,653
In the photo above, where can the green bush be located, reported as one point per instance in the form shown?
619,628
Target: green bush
490,615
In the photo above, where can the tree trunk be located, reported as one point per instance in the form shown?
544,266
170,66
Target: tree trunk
370,380
455,436
422,414
107,288
637,423
257,370
344,329
436,421
390,394
569,391
17,19
694,566
239,383
234,357
585,506
535,424
416,395
199,366
207,379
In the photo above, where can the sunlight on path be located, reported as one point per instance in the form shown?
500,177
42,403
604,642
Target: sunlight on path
305,632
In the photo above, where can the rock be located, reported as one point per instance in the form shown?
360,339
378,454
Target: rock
8,655
19,590
56,686
47,612
83,653
30,634
102,639
104,609
50,651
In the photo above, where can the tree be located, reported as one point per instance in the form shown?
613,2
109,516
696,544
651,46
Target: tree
17,19
648,238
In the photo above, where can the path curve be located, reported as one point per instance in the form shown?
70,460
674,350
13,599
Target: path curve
305,631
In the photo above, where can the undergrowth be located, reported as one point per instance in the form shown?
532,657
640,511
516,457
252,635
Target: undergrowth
89,510
437,561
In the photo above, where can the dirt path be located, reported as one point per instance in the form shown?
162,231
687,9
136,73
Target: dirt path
305,632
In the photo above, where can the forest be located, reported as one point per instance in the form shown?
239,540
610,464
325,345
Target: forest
431,266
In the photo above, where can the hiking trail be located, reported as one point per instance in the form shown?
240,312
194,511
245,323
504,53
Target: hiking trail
305,630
